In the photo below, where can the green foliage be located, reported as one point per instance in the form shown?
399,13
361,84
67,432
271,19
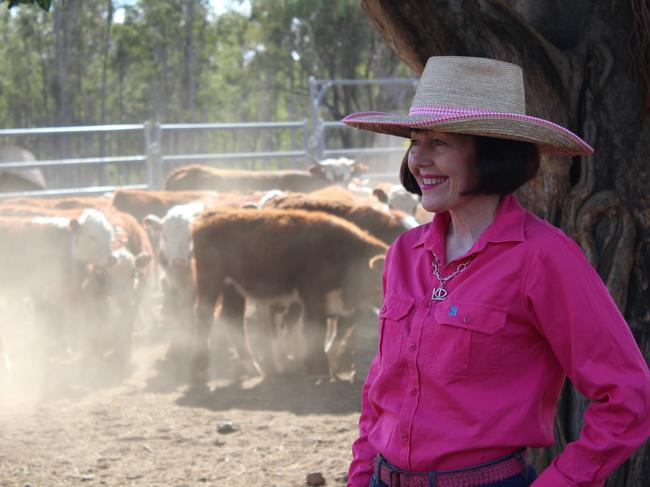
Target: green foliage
44,4
176,61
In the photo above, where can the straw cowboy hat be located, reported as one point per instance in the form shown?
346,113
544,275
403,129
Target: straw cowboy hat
475,96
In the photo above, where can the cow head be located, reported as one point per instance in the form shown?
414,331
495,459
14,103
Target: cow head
92,238
174,235
124,273
338,171
397,197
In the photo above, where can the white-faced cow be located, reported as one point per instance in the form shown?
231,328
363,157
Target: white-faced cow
175,253
102,251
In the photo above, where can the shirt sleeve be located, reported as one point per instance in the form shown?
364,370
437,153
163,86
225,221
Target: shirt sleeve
594,346
360,470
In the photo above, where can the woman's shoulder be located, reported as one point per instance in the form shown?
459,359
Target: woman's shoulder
547,241
413,237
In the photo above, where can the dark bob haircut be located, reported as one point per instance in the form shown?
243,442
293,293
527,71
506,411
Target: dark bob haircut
501,167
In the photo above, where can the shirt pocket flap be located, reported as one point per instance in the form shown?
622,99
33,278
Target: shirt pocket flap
396,307
479,317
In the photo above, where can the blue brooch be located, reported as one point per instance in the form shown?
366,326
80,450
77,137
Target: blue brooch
453,311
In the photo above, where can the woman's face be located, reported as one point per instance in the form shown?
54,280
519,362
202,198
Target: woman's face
442,164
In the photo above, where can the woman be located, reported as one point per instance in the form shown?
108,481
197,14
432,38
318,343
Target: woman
488,308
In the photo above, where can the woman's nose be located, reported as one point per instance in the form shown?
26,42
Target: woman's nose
421,159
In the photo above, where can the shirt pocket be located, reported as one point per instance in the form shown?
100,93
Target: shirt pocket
467,339
393,318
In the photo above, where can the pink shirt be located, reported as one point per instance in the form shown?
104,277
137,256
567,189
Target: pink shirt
466,380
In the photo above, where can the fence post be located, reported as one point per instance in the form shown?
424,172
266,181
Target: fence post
317,132
305,142
152,136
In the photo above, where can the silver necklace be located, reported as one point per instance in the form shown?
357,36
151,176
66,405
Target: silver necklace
440,293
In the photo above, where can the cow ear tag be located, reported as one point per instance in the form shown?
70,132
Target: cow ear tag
453,311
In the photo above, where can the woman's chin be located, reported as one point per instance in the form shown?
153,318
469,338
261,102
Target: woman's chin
433,206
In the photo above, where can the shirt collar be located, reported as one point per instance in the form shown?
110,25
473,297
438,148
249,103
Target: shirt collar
508,226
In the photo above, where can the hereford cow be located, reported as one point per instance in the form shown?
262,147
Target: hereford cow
63,203
378,220
386,225
175,256
110,253
174,253
317,176
140,203
271,256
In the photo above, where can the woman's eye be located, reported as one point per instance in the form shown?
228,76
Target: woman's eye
438,142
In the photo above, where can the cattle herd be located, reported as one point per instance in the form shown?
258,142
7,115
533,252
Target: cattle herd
286,263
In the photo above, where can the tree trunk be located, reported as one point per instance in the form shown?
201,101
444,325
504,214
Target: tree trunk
586,67
189,60
102,108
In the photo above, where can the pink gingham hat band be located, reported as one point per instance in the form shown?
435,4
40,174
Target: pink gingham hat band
475,96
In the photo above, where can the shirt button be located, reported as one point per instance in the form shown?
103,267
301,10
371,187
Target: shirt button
427,304
412,347
414,392
467,319
383,308
405,438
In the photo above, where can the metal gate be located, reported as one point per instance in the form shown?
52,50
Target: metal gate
143,154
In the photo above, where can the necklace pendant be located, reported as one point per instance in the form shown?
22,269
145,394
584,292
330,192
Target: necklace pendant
439,294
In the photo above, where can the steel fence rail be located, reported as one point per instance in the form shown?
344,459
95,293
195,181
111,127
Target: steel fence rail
73,130
233,155
72,162
71,191
232,126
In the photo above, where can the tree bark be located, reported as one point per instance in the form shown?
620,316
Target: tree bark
581,72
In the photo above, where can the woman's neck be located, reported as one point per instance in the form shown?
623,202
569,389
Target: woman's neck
468,222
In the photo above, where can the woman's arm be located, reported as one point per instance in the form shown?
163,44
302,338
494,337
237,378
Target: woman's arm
363,454
573,310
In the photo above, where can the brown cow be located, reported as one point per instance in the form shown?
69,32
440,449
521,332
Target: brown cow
384,225
368,214
62,203
140,203
270,255
204,177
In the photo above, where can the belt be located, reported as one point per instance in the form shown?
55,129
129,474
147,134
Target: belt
495,471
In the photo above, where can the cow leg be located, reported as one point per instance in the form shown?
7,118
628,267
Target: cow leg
315,328
260,333
233,309
338,344
204,313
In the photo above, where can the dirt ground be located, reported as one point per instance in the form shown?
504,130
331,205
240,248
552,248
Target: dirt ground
82,422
